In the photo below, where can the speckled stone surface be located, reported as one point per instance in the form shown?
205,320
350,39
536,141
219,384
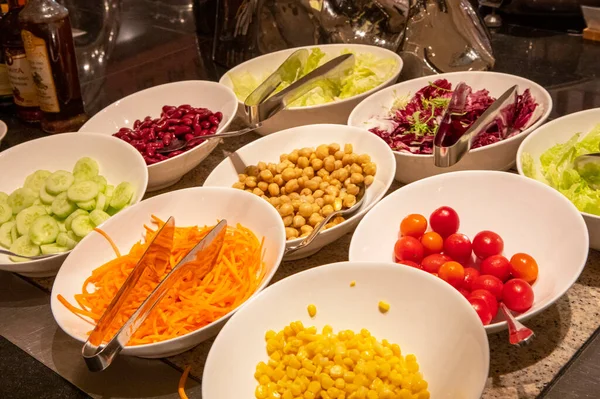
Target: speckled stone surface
514,372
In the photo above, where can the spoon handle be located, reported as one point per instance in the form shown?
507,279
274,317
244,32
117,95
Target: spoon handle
313,234
518,334
9,253
225,135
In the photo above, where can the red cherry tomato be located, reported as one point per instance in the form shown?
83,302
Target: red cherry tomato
432,263
458,247
517,295
413,225
453,273
432,242
482,310
409,248
523,266
496,265
489,298
409,263
444,221
490,283
487,243
470,275
464,292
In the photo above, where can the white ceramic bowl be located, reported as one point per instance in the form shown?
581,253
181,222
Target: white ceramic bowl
268,149
455,364
334,112
197,93
497,156
118,162
190,207
557,132
530,216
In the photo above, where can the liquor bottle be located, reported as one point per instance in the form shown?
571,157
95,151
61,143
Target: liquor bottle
19,74
6,97
48,39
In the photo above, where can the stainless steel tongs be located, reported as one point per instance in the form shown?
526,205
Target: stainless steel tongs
203,256
452,141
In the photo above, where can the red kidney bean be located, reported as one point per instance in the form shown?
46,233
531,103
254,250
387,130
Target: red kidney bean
185,106
174,154
151,152
187,121
197,130
213,120
212,130
179,130
204,132
173,121
136,124
188,137
205,124
219,116
167,108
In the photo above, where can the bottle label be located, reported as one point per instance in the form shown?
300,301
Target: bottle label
37,54
21,81
5,87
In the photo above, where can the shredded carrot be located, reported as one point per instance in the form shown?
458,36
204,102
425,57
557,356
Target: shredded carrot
182,380
110,241
193,302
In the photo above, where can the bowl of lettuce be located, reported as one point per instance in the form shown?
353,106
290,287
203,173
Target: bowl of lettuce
406,116
547,155
331,102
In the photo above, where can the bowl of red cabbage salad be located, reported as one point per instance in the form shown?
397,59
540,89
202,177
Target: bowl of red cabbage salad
412,122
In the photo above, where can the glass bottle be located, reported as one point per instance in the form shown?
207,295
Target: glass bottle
19,73
46,32
6,97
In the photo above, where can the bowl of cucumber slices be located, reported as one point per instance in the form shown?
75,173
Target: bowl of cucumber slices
59,189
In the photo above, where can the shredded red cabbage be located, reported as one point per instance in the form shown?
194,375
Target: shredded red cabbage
416,123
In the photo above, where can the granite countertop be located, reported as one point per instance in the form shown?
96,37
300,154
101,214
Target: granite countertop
562,63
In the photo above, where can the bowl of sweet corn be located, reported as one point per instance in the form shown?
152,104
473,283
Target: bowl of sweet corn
351,330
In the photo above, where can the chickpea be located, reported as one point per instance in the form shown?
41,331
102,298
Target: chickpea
261,166
299,221
277,179
242,177
337,204
315,219
287,220
353,158
283,157
282,191
275,201
250,182
264,186
306,229
272,168
293,157
264,197
349,200
329,225
328,198
317,164
323,185
318,179
342,174
322,151
333,190
329,165
258,191
327,179
294,196
291,233
335,182
248,190
364,158
346,160
348,148
309,172
252,170
288,174
338,155
305,210
329,158
323,173
312,156
310,199
292,186
356,178
281,166
298,172
338,164
311,184
333,148
303,162
286,209
266,175
284,198
327,210
305,152
320,202
355,168
239,185
273,189
370,169
369,180
352,189
306,191
296,204
337,220
318,193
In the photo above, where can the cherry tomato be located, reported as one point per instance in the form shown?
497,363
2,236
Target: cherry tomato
487,243
470,275
409,263
482,310
464,292
413,225
496,265
444,221
432,242
523,266
489,298
517,295
458,247
490,283
433,262
409,248
453,273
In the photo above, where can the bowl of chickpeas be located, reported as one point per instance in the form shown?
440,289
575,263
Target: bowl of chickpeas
309,172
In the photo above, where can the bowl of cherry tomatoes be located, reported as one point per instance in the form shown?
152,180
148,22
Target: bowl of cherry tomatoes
493,236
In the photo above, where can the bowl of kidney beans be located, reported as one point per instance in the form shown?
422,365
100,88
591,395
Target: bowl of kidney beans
183,122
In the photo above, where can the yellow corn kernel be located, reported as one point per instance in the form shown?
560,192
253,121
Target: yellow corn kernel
309,395
333,392
352,283
312,310
326,381
372,395
423,395
384,306
419,385
296,389
261,392
336,371
287,394
340,383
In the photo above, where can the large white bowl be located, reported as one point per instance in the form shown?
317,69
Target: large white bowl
149,102
557,132
334,112
268,149
427,317
118,162
530,216
189,207
497,156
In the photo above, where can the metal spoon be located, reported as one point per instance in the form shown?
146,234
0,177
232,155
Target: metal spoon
9,253
584,164
518,334
313,234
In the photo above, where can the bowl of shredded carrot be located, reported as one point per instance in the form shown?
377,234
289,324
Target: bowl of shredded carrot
198,304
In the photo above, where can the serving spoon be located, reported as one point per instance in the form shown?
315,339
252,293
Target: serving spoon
518,334
10,253
584,164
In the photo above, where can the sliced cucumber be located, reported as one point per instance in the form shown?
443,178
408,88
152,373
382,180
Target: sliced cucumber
23,246
50,249
109,191
43,230
14,233
45,196
72,216
61,226
37,202
3,197
49,209
64,240
73,236
26,217
59,181
6,212
82,226
61,206
85,169
83,191
101,182
5,236
101,202
36,180
99,217
87,205
21,198
122,195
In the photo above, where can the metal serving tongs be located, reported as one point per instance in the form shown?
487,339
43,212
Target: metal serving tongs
452,141
260,105
203,257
